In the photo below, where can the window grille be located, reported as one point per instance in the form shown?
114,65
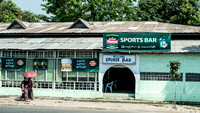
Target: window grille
48,54
6,54
19,54
76,54
35,54
84,54
72,85
72,76
193,77
92,76
19,75
82,76
66,54
31,54
156,76
10,75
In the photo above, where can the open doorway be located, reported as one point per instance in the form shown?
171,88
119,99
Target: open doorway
122,78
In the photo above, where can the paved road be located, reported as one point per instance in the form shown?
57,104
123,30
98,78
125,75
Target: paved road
4,109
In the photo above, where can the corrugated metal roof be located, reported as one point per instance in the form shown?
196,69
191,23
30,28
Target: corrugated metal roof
190,46
100,27
51,43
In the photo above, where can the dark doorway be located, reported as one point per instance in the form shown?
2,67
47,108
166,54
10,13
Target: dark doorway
122,77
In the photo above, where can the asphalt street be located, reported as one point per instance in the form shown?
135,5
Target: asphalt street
12,109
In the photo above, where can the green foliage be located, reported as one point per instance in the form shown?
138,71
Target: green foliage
186,14
152,10
173,11
91,10
29,17
174,66
8,11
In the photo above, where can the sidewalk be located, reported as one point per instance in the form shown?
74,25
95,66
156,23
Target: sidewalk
105,104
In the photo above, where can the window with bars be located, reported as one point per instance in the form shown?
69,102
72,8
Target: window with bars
48,54
84,54
35,54
193,77
156,76
82,76
76,54
19,54
6,54
31,54
72,76
66,54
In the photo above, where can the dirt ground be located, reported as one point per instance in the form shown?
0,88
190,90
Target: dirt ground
105,104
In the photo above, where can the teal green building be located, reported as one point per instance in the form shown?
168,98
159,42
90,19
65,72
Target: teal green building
101,59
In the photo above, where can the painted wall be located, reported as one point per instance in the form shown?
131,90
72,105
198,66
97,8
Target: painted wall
164,90
104,67
54,93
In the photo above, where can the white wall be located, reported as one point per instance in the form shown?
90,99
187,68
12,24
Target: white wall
133,67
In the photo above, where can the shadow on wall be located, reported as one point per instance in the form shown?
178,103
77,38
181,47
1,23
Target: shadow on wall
192,48
169,91
185,91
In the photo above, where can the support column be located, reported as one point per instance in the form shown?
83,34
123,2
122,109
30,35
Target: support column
55,70
95,83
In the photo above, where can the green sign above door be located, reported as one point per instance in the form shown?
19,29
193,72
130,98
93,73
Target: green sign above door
144,42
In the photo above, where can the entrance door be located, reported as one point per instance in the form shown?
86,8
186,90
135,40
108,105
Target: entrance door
122,77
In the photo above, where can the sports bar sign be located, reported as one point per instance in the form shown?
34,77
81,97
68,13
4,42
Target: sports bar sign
136,42
119,59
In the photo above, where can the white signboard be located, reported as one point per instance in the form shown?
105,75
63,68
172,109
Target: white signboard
119,59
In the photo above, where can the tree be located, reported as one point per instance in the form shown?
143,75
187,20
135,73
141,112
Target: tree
28,17
8,11
91,10
174,66
173,11
186,14
152,10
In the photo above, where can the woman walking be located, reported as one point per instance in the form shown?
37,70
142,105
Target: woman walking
30,88
25,89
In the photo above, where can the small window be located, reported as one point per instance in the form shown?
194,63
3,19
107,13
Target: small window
193,77
156,76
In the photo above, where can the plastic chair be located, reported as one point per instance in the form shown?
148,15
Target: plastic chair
109,85
115,84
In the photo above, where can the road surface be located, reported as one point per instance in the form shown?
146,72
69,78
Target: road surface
12,109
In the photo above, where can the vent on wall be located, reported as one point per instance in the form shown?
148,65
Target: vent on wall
80,23
16,24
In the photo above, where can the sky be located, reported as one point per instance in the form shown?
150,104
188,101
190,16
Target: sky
30,5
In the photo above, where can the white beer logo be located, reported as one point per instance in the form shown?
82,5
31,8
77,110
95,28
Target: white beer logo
163,43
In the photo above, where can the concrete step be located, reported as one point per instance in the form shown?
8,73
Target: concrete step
119,96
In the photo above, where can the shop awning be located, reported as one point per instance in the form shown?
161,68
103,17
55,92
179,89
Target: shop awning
51,43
